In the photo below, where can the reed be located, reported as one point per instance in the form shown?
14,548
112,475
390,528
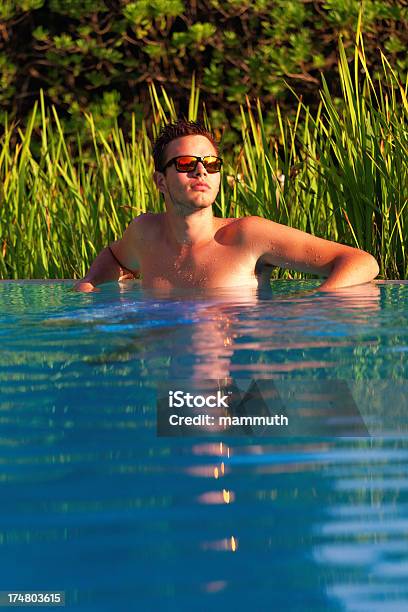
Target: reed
341,174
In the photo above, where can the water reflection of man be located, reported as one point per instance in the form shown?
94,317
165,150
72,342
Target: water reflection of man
227,334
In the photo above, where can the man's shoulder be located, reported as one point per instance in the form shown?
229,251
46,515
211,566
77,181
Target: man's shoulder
246,228
145,222
250,221
235,224
147,218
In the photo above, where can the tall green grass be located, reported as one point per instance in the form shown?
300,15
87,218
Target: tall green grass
341,174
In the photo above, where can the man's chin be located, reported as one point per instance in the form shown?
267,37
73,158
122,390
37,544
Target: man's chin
201,203
192,205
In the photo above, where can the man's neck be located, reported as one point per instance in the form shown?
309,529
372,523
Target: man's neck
190,230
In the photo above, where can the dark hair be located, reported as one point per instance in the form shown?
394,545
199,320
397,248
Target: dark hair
178,129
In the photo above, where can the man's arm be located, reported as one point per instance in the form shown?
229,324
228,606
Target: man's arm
109,265
287,247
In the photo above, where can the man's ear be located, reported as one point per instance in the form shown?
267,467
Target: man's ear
160,181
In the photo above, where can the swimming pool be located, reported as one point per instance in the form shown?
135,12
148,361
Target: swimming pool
95,504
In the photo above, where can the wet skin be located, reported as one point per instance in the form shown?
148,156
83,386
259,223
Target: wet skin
222,261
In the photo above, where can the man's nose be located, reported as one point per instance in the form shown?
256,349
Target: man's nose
200,169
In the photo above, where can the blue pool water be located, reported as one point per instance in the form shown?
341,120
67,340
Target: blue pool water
95,504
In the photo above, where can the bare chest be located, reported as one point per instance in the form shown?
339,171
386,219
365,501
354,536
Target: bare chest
215,266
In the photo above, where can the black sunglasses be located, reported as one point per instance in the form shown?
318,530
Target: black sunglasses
188,163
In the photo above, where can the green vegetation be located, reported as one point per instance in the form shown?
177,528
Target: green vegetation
340,172
100,56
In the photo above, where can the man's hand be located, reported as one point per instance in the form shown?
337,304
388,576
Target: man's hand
84,286
126,276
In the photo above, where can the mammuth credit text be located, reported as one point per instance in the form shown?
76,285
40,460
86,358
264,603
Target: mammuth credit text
254,421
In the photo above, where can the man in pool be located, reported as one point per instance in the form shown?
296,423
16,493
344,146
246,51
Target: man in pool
187,246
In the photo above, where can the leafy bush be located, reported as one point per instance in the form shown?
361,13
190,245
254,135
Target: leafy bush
86,53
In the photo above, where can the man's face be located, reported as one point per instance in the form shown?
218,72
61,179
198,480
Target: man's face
188,191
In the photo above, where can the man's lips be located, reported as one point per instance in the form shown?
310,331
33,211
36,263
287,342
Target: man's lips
200,186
